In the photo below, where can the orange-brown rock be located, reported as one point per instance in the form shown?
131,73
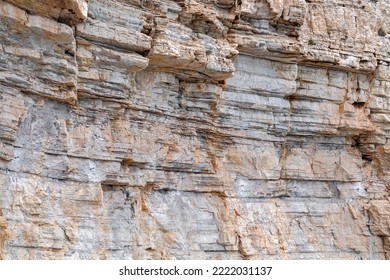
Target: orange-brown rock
193,129
4,235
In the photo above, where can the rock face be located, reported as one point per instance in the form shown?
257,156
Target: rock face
3,233
194,129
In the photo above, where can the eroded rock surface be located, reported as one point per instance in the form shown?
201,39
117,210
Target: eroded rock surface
3,233
193,129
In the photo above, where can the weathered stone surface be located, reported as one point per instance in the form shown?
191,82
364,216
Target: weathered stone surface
37,55
4,235
194,129
68,11
380,218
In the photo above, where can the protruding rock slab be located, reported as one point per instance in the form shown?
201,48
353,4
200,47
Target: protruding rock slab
70,12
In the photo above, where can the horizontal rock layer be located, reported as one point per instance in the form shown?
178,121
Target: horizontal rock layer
194,129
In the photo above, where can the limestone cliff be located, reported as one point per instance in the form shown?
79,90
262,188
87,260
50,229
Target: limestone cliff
194,129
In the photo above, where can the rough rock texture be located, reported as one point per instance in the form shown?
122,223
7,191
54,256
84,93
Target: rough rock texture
195,129
3,233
